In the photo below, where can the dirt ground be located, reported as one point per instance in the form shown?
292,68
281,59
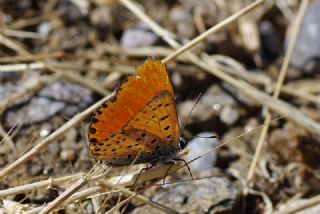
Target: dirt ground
252,80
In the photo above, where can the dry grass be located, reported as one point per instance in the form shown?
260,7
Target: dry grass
99,181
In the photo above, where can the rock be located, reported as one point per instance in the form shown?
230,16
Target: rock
45,130
61,96
293,144
229,115
183,21
34,168
69,12
307,47
67,155
37,110
53,147
66,91
77,38
44,29
199,146
239,95
138,36
215,95
197,114
209,105
7,90
101,16
270,40
215,194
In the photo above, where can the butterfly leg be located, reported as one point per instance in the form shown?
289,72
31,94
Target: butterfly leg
186,163
167,171
139,174
176,159
134,187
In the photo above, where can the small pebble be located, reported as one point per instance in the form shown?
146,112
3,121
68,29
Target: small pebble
67,155
138,36
229,115
199,146
101,16
270,40
44,29
44,132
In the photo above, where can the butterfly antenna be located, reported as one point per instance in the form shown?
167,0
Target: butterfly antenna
188,118
189,115
207,137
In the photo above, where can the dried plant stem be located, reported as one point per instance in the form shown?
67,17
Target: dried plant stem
21,34
7,139
295,209
34,57
75,197
234,68
38,185
83,180
14,45
120,204
139,52
61,198
70,195
21,23
304,95
22,67
68,66
279,84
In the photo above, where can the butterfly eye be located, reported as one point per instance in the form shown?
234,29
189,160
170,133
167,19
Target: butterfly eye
183,143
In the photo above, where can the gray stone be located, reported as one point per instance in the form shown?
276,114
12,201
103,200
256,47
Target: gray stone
307,48
199,196
229,115
138,36
198,147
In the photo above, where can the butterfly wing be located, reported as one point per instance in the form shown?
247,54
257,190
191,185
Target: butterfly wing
152,135
132,96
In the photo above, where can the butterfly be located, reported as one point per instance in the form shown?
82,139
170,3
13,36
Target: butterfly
139,123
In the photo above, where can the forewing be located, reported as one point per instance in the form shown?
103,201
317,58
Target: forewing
132,96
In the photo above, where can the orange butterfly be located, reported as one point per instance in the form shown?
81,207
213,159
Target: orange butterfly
140,122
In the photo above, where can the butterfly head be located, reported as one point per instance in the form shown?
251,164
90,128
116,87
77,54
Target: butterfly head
182,143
